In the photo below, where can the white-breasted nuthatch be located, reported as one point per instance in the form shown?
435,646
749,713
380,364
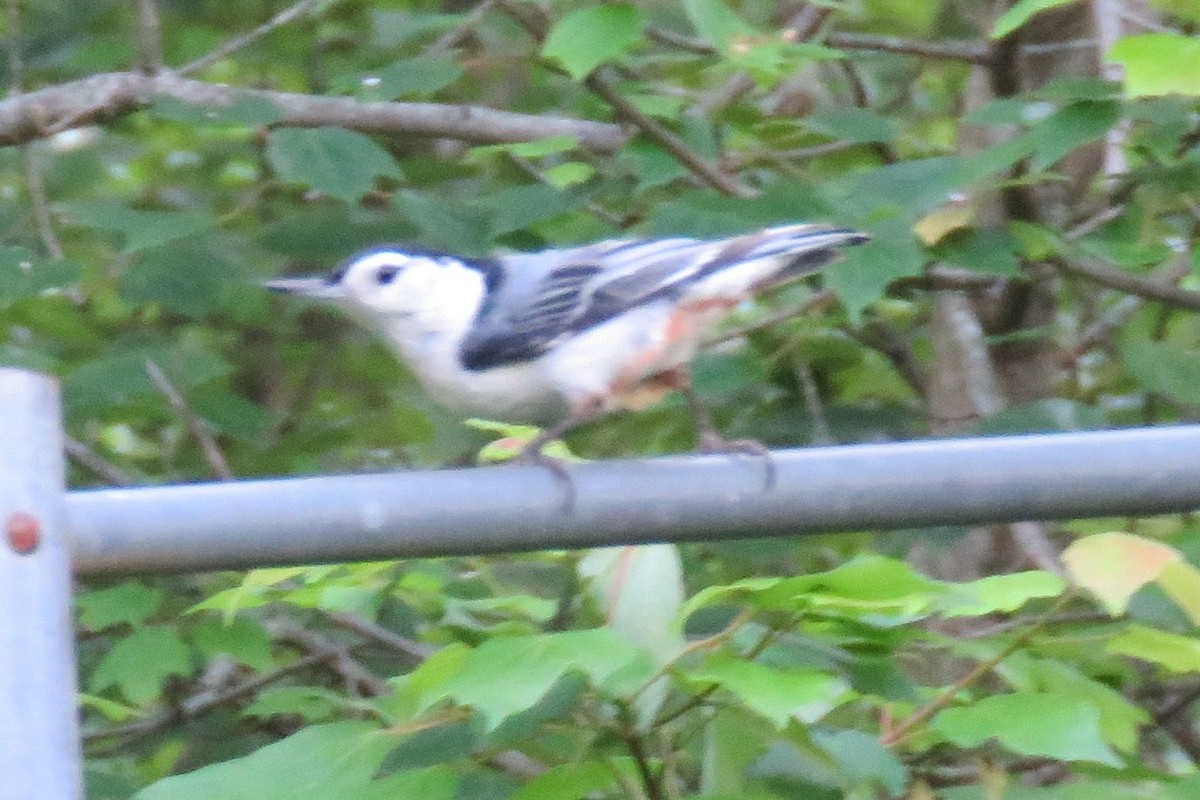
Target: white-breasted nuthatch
564,335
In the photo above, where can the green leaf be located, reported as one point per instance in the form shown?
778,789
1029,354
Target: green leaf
518,207
419,76
1163,368
537,148
852,125
1184,9
999,593
312,703
189,279
779,695
112,710
1158,64
570,781
864,758
871,586
450,223
569,173
138,664
126,603
717,23
587,37
240,638
1070,127
984,250
140,229
1020,722
1020,13
120,376
507,675
24,275
317,763
1175,652
1119,717
865,272
1181,582
337,162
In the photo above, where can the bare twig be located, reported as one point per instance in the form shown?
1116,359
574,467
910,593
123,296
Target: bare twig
1091,223
413,652
796,154
939,276
198,427
821,433
1114,317
149,36
969,51
230,47
769,635
665,138
358,680
805,23
1034,542
602,213
651,781
86,457
1114,278
16,64
820,299
37,115
889,343
34,185
203,701
897,734
456,35
862,99
40,202
964,384
535,23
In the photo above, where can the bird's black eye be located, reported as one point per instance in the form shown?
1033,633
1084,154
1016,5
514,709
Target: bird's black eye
385,275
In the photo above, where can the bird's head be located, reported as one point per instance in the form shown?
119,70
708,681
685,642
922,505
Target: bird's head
396,281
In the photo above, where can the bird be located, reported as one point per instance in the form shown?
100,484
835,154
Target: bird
561,336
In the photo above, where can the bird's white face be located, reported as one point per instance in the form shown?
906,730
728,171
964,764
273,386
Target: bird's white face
389,282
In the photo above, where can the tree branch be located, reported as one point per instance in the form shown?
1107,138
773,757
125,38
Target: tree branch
42,113
86,457
534,21
149,36
970,51
34,185
198,427
204,701
1122,281
246,39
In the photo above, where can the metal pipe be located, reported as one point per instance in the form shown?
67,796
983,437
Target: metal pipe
39,726
510,508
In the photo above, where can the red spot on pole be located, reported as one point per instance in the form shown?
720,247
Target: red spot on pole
23,532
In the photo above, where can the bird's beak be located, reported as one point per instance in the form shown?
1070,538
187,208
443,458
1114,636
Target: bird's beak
316,288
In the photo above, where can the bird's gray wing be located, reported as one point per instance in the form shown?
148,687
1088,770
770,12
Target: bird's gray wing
546,297
536,306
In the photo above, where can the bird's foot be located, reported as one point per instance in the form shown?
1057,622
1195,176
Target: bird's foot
533,453
709,441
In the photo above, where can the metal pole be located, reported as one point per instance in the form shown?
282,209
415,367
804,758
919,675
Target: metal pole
39,727
858,487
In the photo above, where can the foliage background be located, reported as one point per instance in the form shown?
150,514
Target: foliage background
1030,171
